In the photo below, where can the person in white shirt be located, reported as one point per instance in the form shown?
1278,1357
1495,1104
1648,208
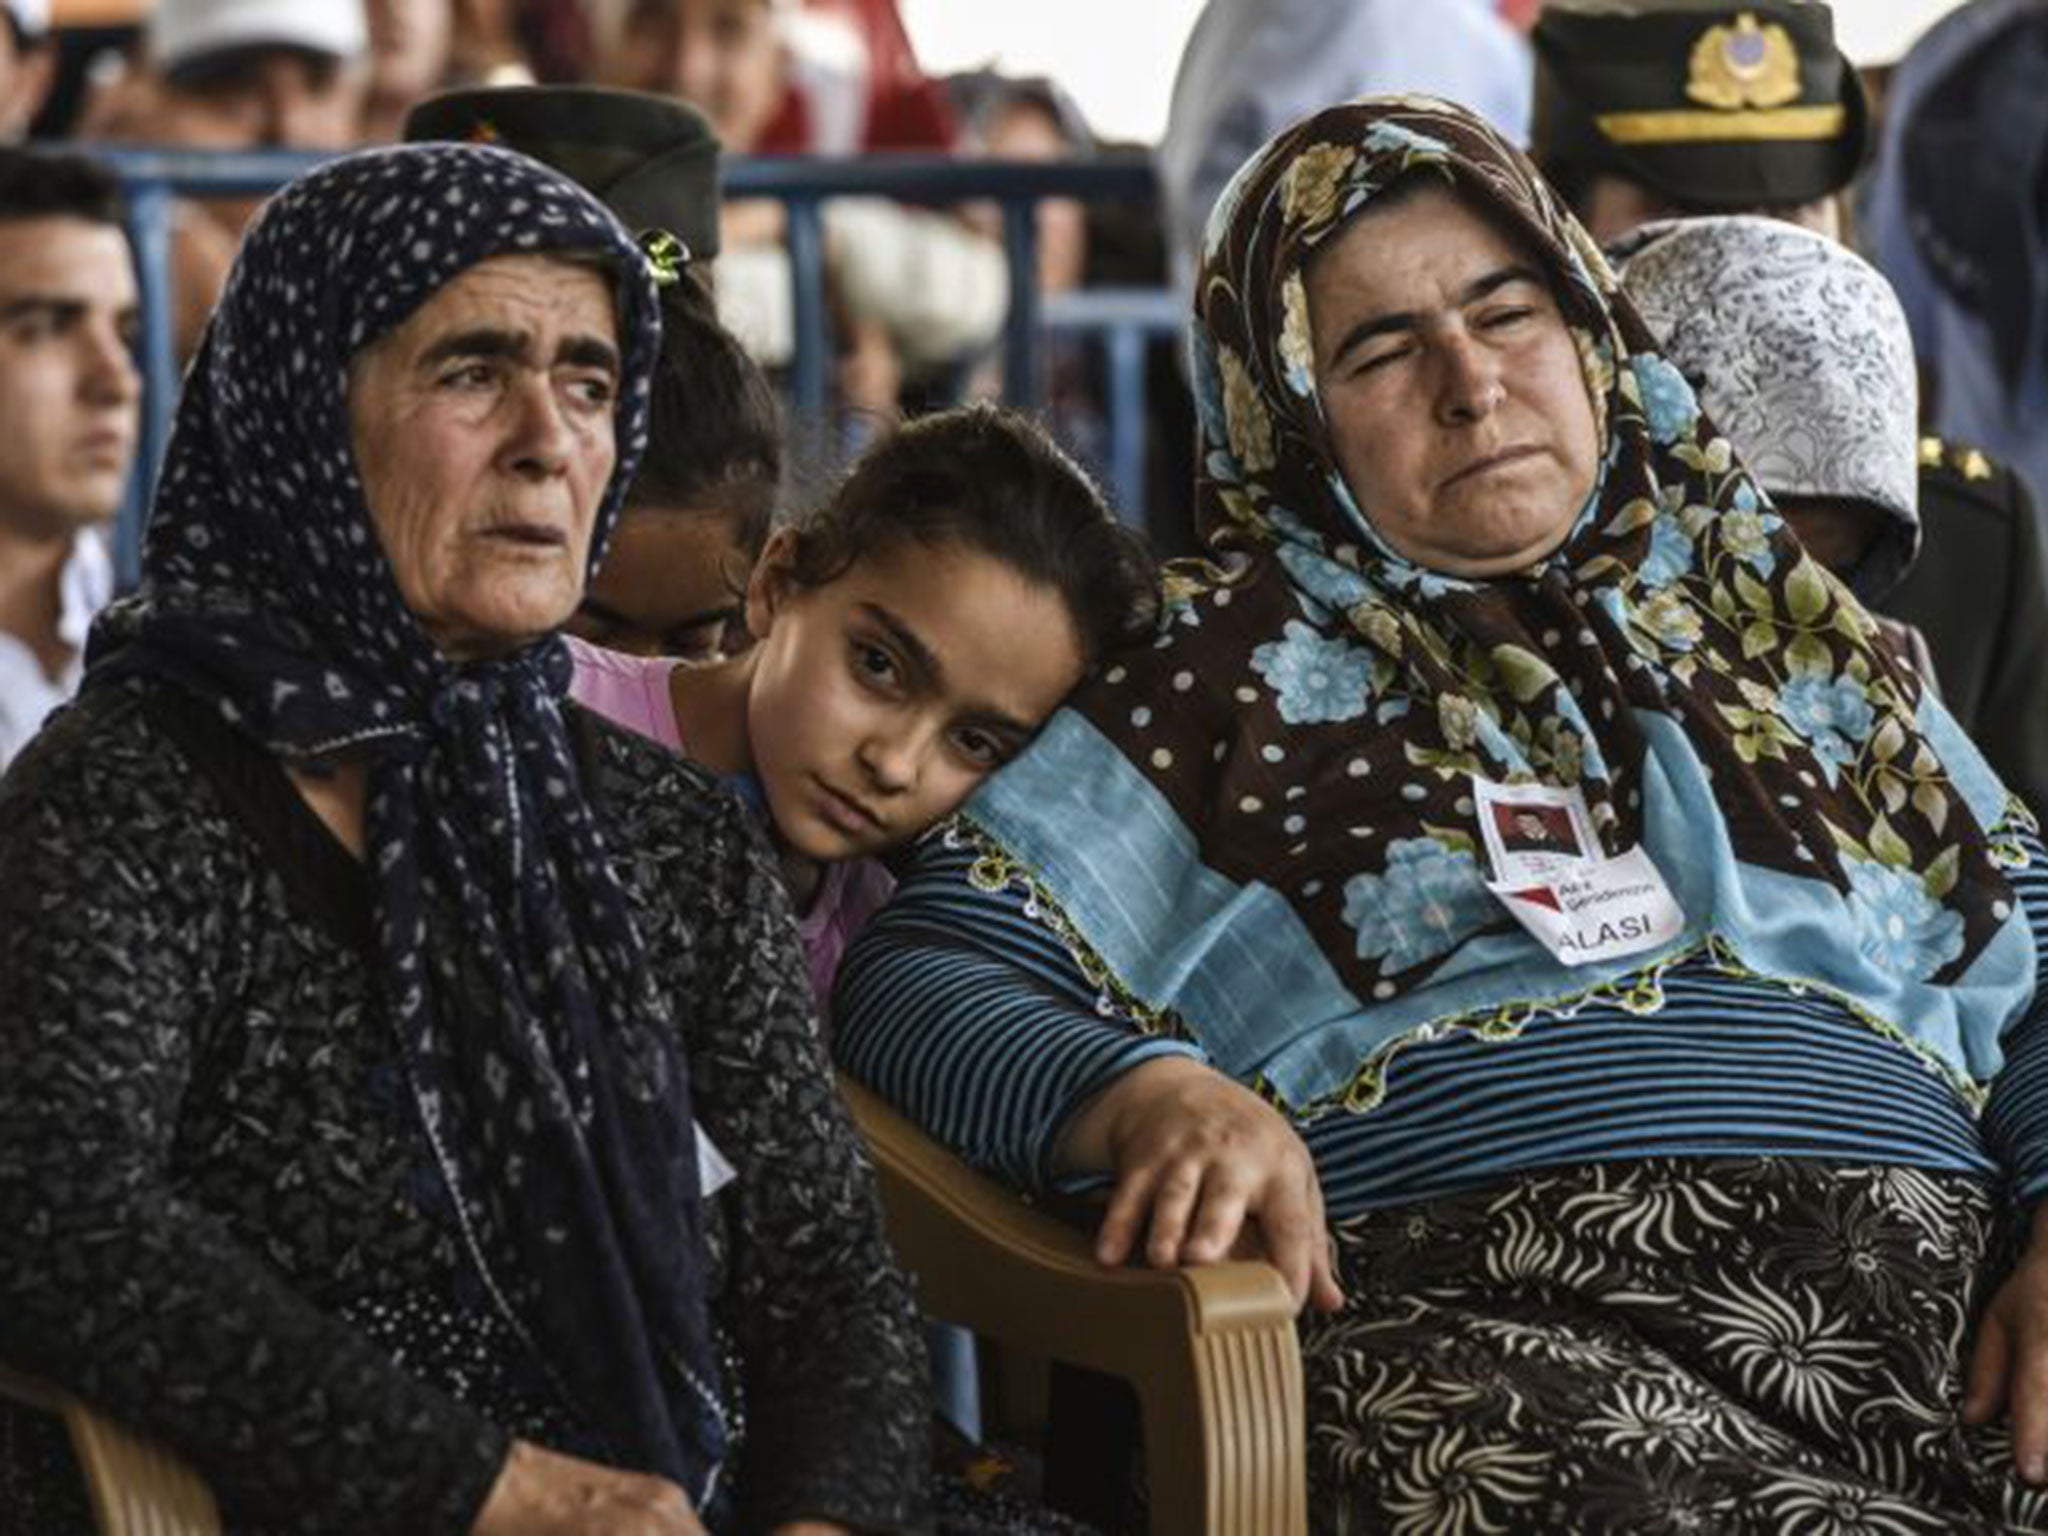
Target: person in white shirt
1251,67
70,402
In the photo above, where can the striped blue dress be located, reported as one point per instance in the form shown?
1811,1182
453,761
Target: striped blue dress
960,1005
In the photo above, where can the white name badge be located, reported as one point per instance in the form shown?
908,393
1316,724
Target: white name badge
1550,872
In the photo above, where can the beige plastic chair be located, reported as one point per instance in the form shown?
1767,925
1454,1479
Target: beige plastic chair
1211,1352
137,1488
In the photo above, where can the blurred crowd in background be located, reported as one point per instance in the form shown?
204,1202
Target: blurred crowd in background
917,294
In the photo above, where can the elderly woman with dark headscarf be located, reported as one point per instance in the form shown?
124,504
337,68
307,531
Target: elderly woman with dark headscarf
1518,891
414,1113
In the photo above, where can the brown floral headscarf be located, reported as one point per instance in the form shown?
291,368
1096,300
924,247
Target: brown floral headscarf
1262,829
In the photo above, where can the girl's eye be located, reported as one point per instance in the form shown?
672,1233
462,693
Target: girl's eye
873,663
980,748
1500,319
468,376
592,393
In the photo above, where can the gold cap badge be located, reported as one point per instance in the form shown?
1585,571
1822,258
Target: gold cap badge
1746,65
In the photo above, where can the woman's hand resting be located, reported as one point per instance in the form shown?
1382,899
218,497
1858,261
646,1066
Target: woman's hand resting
1205,1170
2009,1366
544,1493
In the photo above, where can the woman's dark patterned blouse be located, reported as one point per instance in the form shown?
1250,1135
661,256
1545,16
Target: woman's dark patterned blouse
220,1220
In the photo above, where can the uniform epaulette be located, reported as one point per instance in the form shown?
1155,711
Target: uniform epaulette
1959,459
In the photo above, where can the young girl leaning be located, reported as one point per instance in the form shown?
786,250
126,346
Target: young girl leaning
908,638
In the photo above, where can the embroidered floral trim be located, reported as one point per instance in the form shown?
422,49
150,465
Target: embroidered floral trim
1973,1093
1640,993
996,870
2007,851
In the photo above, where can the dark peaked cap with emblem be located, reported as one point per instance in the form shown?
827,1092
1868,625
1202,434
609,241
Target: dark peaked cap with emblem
1711,105
650,159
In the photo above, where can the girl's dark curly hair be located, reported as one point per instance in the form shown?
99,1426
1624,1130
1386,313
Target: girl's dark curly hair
992,480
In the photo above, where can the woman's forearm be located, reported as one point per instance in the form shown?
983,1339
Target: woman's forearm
977,1022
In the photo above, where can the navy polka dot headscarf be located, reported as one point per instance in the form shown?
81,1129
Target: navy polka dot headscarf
545,1063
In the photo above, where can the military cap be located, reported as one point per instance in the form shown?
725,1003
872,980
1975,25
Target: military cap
652,160
1711,105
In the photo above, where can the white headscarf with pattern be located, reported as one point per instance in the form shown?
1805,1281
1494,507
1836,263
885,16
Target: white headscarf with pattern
1797,347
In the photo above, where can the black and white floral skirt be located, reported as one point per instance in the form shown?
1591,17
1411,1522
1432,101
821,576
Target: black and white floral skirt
1761,1345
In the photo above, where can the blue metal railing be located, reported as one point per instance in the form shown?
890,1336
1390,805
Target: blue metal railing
151,180
1124,319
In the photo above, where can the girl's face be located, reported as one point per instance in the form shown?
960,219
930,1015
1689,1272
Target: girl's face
883,697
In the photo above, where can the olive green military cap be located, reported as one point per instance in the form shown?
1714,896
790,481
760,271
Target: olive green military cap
1711,105
652,160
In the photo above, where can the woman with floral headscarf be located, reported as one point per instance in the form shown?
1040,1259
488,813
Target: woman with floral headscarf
414,1113
1647,1169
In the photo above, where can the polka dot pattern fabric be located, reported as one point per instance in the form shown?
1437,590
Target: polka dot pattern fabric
544,1065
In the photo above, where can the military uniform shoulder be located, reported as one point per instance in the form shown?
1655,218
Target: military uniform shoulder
1953,471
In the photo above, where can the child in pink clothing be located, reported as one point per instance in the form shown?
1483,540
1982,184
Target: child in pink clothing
627,690
633,691
910,636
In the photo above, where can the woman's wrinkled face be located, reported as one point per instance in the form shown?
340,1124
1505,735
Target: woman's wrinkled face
483,433
1455,398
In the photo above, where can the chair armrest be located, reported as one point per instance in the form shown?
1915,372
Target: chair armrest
137,1487
1211,1350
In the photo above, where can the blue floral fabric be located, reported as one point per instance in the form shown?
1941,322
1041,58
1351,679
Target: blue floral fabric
1717,698
1669,409
1900,924
1429,900
1832,715
543,1064
1315,678
1670,554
